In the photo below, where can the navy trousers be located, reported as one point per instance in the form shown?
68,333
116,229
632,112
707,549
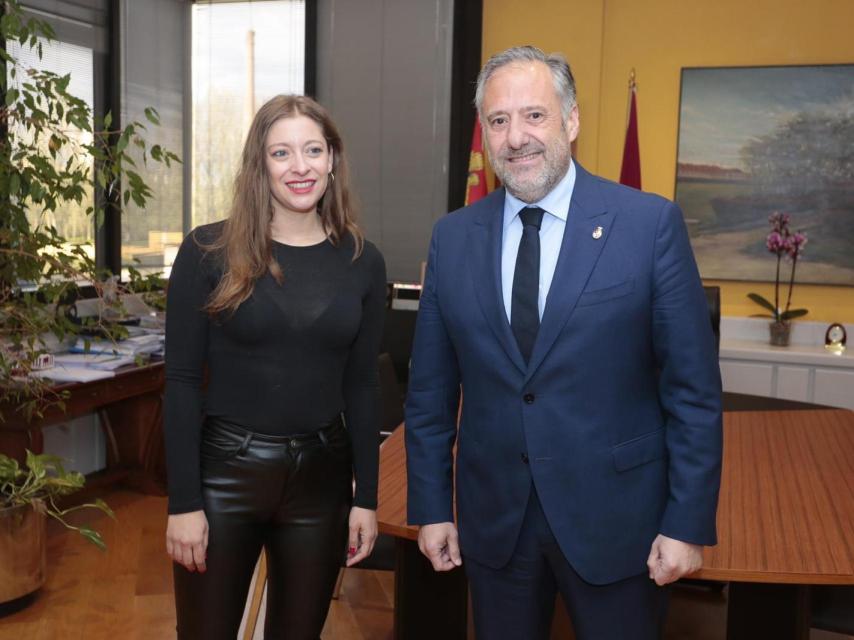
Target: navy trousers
517,601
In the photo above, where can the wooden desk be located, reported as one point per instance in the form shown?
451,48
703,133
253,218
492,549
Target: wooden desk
427,604
785,519
130,410
391,511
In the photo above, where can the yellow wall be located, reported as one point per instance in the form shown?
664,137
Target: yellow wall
605,39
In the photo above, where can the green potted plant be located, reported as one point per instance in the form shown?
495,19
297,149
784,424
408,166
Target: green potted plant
28,495
55,156
786,245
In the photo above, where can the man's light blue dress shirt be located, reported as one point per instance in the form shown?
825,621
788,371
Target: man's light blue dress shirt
556,205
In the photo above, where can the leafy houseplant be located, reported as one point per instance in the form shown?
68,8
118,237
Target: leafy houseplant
787,245
27,497
57,162
39,484
56,159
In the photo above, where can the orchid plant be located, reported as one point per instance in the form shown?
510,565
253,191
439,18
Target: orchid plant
786,245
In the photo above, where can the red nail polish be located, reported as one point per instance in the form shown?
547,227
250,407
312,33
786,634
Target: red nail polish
352,551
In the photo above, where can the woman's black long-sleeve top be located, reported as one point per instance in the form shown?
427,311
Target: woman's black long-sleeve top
288,360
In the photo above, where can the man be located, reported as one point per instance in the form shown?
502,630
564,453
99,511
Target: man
570,311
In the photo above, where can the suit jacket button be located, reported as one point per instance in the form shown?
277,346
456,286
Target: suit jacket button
525,458
528,398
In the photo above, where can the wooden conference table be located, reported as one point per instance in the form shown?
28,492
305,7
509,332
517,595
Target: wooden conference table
785,521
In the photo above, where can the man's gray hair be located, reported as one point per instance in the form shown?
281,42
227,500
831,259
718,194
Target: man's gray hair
561,74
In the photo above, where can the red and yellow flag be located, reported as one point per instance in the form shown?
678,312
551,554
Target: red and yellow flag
630,172
476,185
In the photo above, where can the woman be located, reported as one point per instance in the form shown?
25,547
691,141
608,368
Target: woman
281,306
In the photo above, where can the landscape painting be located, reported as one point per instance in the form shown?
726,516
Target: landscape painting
756,140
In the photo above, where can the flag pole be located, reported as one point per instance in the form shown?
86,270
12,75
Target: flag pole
633,86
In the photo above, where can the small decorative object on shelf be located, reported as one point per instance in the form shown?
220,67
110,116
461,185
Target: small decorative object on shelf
787,245
834,338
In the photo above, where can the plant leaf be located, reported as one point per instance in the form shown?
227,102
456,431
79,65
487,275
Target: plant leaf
35,465
11,96
94,537
9,468
762,302
103,506
152,115
793,313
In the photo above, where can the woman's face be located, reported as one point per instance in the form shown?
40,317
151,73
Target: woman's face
298,163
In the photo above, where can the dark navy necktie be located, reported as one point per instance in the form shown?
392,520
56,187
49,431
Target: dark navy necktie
524,309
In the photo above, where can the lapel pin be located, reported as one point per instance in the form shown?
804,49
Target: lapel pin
597,233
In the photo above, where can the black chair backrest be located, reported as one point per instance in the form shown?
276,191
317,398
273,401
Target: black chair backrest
391,399
713,297
398,333
833,608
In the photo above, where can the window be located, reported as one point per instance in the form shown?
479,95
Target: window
244,53
70,220
235,55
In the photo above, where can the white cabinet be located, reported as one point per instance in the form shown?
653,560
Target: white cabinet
755,379
793,383
834,388
799,372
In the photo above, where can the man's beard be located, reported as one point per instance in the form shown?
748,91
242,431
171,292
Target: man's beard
533,188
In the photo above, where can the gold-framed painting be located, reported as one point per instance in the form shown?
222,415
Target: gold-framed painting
758,140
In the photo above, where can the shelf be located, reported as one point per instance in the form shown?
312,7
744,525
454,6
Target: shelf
756,351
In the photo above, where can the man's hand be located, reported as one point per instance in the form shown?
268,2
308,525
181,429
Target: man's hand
671,559
187,539
440,544
363,534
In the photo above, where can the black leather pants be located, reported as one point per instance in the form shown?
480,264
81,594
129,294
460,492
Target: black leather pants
289,494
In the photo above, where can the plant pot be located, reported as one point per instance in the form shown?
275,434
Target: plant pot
23,551
780,333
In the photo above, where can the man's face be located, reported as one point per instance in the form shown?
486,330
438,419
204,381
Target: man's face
527,139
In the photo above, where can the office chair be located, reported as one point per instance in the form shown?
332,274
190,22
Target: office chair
381,559
833,608
713,298
391,398
398,334
256,598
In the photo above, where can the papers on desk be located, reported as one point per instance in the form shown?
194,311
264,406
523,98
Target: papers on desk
100,361
71,373
135,346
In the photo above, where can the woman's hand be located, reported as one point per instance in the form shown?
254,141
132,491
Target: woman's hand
187,539
363,534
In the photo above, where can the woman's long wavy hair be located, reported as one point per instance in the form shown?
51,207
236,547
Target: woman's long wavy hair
245,243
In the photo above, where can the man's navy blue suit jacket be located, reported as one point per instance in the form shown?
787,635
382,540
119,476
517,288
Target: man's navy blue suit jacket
616,419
